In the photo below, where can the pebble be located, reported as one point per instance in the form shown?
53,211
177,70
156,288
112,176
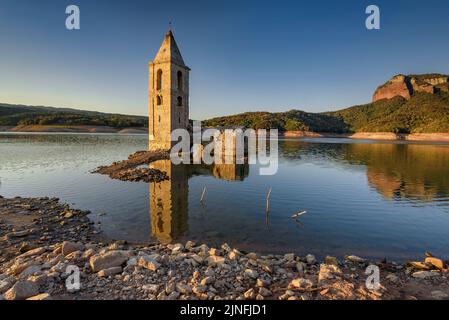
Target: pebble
110,271
310,259
149,263
251,273
424,274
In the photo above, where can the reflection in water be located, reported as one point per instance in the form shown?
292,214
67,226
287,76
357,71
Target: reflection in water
397,171
404,171
169,198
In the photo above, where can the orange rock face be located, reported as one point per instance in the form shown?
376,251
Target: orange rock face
397,86
406,86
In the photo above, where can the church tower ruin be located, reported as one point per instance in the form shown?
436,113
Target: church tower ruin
168,94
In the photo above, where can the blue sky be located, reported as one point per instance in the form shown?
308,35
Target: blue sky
244,55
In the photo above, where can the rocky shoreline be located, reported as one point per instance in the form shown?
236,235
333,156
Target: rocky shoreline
131,169
43,241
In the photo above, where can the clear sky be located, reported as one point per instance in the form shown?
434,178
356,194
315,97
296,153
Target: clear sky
244,55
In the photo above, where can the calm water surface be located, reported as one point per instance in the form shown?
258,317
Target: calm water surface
373,199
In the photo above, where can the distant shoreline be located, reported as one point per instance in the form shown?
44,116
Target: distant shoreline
388,136
73,129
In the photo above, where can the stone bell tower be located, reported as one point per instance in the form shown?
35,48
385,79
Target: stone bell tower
168,94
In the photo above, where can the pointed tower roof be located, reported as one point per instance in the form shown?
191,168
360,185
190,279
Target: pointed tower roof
169,51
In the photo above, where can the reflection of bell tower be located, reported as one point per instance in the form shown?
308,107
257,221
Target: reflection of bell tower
230,172
169,202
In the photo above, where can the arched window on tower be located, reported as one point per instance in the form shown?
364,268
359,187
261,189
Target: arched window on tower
179,101
159,100
159,80
179,80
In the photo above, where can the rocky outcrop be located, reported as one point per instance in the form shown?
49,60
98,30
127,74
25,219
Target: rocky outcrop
405,86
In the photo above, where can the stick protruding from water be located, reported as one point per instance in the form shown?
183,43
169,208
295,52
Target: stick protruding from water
268,201
202,194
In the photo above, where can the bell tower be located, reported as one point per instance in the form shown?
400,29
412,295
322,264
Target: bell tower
168,94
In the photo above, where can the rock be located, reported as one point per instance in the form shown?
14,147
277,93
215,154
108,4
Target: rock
262,283
301,283
22,290
149,263
328,271
6,284
226,248
177,248
39,280
173,296
439,295
419,265
232,255
424,274
331,260
33,252
392,278
153,288
189,245
24,247
264,292
42,296
18,234
310,259
301,267
250,294
252,255
107,260
68,215
355,259
407,86
207,281
251,273
69,247
31,270
17,267
183,288
199,289
438,263
397,86
215,261
324,291
197,258
289,256
110,271
267,268
214,252
88,253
